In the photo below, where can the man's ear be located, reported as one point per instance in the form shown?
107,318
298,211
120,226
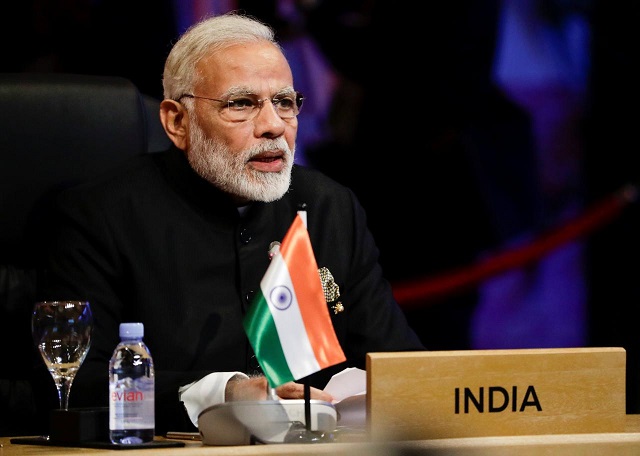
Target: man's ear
175,121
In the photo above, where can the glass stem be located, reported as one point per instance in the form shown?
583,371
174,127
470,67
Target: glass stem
64,388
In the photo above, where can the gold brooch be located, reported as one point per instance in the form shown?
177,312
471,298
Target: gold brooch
330,289
337,307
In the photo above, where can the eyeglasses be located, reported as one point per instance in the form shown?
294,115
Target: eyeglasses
245,107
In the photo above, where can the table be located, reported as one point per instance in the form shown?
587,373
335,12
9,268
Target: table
615,444
618,444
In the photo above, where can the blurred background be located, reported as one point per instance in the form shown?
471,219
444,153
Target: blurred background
491,142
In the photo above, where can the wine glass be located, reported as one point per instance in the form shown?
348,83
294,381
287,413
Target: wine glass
62,332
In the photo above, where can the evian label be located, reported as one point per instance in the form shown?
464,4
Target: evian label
131,404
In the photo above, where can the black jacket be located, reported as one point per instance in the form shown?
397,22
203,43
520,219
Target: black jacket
153,242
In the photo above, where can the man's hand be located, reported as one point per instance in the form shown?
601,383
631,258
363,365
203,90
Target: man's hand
255,389
292,390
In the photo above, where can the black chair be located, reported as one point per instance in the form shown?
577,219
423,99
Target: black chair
57,130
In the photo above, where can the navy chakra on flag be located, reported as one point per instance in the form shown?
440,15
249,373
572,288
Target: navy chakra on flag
281,297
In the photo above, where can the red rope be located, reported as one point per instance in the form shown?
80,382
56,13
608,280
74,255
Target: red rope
415,293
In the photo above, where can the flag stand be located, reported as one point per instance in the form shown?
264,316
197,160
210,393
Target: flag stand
298,433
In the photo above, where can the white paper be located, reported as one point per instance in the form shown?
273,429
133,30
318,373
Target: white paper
349,390
350,382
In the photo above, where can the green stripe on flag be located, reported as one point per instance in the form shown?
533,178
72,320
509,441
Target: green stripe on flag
263,335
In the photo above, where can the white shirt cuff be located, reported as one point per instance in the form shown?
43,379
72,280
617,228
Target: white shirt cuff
206,392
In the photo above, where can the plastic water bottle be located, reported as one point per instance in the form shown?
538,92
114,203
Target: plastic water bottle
131,388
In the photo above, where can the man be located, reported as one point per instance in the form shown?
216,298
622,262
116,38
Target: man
180,240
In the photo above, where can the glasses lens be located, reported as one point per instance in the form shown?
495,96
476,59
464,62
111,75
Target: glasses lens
286,107
240,108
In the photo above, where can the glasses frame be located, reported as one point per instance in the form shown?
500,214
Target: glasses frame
299,99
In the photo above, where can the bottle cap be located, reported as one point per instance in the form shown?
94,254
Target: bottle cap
131,330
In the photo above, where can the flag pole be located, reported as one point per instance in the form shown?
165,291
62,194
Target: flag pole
307,403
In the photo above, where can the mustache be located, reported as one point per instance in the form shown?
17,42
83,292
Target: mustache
270,144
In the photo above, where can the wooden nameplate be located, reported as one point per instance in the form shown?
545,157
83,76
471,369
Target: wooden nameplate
473,393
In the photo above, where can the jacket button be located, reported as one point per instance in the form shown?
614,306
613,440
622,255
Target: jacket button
245,236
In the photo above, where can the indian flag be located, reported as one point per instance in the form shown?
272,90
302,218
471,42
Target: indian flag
288,322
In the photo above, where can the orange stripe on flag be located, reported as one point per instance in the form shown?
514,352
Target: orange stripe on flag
298,254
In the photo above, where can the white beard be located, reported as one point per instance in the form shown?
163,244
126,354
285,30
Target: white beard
228,171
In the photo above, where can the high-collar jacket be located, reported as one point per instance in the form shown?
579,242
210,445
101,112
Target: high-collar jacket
153,242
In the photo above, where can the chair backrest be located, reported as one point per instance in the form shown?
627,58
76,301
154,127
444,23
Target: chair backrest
56,130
